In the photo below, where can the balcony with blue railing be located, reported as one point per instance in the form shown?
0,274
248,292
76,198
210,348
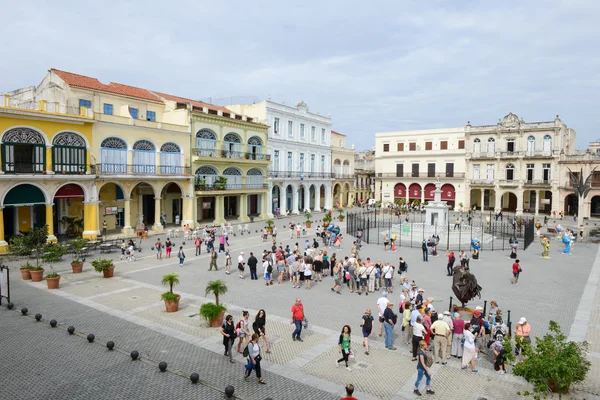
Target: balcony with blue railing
140,169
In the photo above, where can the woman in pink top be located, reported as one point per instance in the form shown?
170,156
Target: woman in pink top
457,337
427,325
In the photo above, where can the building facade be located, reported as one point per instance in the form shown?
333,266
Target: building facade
514,165
580,162
45,176
409,163
343,171
299,176
364,171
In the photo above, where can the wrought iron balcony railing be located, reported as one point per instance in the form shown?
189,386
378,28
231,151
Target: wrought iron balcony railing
18,167
298,174
240,155
139,169
447,175
228,186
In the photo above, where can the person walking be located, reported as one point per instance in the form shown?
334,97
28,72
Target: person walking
349,392
425,251
104,229
259,327
213,260
367,328
297,318
241,264
422,369
469,350
228,332
307,271
254,358
363,277
198,245
252,262
389,322
441,331
457,336
337,278
295,272
388,273
371,276
268,271
168,246
344,345
516,270
221,242
381,306
451,261
243,330
158,247
181,256
227,262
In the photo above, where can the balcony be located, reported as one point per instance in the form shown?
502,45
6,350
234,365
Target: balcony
482,182
28,167
538,183
298,174
140,169
482,156
541,154
200,153
43,106
455,175
339,175
505,155
209,187
508,183
128,120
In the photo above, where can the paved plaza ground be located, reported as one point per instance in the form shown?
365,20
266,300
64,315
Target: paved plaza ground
39,362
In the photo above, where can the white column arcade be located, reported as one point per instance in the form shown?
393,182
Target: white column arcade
328,196
306,198
269,209
295,201
317,197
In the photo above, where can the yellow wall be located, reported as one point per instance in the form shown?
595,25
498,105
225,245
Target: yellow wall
108,198
24,215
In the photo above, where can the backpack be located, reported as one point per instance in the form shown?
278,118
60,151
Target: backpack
428,360
246,352
270,268
238,327
498,333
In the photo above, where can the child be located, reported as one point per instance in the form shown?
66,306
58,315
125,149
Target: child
181,256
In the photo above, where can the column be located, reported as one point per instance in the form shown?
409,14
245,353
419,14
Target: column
219,210
90,221
157,209
269,196
188,216
88,160
481,205
50,222
49,160
328,196
295,201
306,198
243,215
318,198
537,201
497,200
127,214
3,244
282,200
520,202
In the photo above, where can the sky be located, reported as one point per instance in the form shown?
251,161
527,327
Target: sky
375,66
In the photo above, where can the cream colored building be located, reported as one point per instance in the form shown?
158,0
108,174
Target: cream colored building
364,172
588,162
343,171
408,163
514,165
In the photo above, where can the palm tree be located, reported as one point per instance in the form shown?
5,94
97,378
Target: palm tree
171,279
217,288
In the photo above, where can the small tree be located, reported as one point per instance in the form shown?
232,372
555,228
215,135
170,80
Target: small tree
269,223
170,280
553,363
78,244
217,288
52,253
31,244
308,216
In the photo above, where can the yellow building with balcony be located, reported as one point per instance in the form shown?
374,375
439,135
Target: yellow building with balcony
343,171
45,176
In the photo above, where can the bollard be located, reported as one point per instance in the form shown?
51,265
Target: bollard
10,306
38,317
194,377
53,323
91,337
229,391
71,330
162,366
24,310
110,345
134,355
450,306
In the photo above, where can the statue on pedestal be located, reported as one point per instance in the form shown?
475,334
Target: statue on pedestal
464,285
476,245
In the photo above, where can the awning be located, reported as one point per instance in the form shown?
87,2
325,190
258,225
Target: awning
448,192
69,191
24,194
429,191
400,191
414,191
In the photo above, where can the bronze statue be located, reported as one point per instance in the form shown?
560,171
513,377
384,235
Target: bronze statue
464,285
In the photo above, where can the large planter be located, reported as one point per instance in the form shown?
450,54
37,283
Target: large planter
172,305
217,322
108,273
36,276
53,282
77,268
554,389
25,274
308,224
341,219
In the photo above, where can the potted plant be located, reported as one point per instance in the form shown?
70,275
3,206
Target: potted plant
51,254
200,184
78,244
221,182
553,363
340,216
26,271
31,245
308,216
214,312
105,266
171,299
270,224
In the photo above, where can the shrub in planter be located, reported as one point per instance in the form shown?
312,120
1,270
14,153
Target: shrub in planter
212,312
270,224
553,363
171,299
78,244
308,216
77,266
51,254
26,271
37,273
105,266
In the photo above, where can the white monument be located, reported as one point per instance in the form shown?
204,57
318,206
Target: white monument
436,211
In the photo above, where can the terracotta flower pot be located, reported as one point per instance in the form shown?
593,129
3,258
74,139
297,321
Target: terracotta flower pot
77,268
172,306
25,274
308,224
36,276
109,272
217,322
53,282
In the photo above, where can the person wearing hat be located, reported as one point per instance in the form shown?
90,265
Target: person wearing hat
419,298
381,306
522,332
389,321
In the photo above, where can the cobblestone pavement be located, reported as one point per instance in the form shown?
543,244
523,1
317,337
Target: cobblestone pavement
128,310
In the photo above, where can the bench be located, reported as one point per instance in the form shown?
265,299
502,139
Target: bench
551,230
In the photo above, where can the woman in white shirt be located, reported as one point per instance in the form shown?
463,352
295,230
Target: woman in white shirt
419,333
307,273
254,358
469,351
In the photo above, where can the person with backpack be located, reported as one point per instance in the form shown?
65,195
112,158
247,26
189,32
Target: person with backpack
267,270
181,256
229,335
403,267
242,329
252,352
168,246
423,365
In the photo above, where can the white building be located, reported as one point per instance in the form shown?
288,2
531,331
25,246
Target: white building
300,176
408,163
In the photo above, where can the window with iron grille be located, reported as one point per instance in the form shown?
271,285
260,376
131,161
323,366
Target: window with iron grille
69,153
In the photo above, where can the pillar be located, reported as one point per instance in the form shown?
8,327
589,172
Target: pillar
50,223
243,215
282,200
295,201
537,201
269,196
520,202
3,244
219,210
90,220
88,160
188,216
497,200
328,197
49,161
306,198
317,198
157,211
481,205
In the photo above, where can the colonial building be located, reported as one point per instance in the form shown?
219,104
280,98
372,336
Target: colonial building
364,171
45,175
343,171
300,175
588,162
514,165
408,163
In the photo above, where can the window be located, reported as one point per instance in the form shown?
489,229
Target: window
301,162
476,172
302,131
386,147
530,145
510,172
108,109
400,146
313,133
290,129
491,145
276,160
323,138
431,170
399,170
449,170
290,164
461,144
133,112
412,146
530,172
547,145
415,170
428,145
312,163
276,125
476,146
151,115
85,103
444,145
490,172
322,163
510,145
546,173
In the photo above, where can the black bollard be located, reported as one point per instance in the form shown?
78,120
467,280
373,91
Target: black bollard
10,306
71,330
53,323
134,355
38,317
194,377
229,391
24,310
110,345
162,366
91,337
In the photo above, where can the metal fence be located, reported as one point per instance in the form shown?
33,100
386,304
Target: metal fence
411,229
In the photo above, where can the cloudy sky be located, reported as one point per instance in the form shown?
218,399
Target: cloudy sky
374,66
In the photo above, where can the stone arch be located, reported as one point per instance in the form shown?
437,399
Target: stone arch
232,137
24,135
255,141
144,145
113,142
170,147
70,138
124,190
154,189
206,134
34,184
508,201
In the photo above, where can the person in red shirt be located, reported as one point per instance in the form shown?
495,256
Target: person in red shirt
451,260
349,391
297,317
516,271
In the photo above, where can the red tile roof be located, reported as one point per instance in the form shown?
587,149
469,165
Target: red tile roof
194,103
86,82
337,133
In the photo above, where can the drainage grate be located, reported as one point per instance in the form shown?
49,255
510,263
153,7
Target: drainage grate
134,297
